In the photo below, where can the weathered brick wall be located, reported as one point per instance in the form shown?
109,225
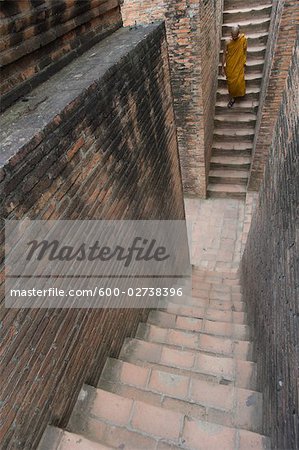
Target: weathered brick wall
270,277
108,150
282,36
193,34
39,37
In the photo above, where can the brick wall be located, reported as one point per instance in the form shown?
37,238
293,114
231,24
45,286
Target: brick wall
193,34
105,148
282,35
269,275
40,37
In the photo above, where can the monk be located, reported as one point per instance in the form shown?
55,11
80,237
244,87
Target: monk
233,65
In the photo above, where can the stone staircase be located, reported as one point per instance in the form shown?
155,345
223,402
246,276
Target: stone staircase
187,380
235,128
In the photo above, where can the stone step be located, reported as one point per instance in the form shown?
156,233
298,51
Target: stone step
253,80
206,313
213,402
230,4
230,162
254,52
252,93
233,124
131,423
235,371
231,135
207,301
230,119
247,25
205,290
232,149
223,176
248,13
253,38
236,191
214,294
230,116
57,439
214,345
224,329
216,278
242,106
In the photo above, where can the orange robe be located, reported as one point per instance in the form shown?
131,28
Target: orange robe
235,62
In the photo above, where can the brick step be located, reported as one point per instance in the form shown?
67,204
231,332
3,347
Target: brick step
254,52
252,93
235,371
230,162
217,278
247,25
207,301
237,191
206,313
224,329
231,150
213,283
223,176
252,80
249,13
214,345
203,290
230,119
253,38
240,106
230,4
134,424
207,400
231,116
232,146
231,124
234,293
239,135
57,439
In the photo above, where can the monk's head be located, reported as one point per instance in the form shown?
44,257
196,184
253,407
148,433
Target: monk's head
235,32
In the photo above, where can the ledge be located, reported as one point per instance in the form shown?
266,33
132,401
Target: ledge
25,124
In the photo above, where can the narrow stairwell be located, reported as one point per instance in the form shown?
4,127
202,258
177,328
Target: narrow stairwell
187,380
235,127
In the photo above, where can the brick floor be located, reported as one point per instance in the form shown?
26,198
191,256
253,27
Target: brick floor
215,232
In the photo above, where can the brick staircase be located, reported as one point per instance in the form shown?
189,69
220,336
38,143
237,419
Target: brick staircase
234,128
186,381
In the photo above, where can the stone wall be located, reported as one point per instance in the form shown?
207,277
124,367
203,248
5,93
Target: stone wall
282,36
98,141
40,36
193,34
269,275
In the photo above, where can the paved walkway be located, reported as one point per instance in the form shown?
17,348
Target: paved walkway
215,232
